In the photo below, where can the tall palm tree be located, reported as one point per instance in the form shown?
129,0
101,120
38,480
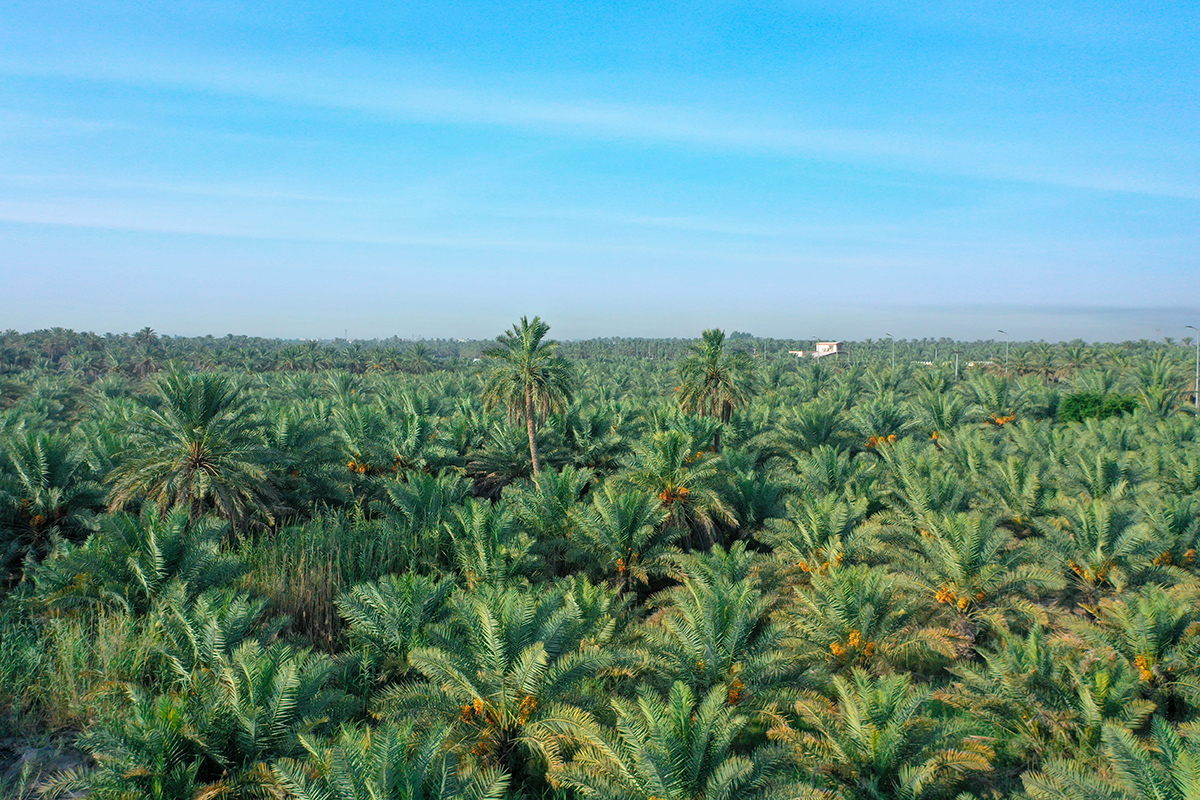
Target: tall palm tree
713,382
529,378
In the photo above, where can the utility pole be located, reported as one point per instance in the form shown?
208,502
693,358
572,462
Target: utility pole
893,349
1005,352
1196,385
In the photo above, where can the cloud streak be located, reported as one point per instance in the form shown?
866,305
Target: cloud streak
416,98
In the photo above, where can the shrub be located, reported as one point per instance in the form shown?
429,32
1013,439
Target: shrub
1088,405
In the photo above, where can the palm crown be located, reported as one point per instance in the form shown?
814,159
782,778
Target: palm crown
713,382
200,448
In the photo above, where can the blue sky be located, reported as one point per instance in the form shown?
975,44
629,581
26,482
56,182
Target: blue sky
440,169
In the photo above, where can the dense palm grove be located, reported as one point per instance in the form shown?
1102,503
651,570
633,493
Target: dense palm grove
610,569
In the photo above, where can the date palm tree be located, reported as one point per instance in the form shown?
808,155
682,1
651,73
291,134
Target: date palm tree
45,492
506,662
215,733
1015,490
713,632
267,699
881,417
595,438
993,397
970,565
869,617
151,752
829,470
393,762
1043,698
1104,547
877,740
685,481
1158,631
1162,769
306,463
822,530
623,538
922,488
487,548
132,560
680,748
528,378
815,424
550,511
388,618
201,448
1174,524
714,382
200,632
755,496
938,412
417,512
418,359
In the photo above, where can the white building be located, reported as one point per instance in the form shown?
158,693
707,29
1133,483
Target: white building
823,349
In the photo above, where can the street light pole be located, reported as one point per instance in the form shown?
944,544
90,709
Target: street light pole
1196,386
1005,352
893,349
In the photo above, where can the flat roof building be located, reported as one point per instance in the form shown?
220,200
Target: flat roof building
823,349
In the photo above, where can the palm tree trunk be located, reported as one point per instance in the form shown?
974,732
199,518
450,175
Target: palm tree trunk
531,426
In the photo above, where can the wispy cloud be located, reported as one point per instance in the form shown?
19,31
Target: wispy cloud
104,217
413,97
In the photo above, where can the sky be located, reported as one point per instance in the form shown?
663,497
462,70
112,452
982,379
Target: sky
791,169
